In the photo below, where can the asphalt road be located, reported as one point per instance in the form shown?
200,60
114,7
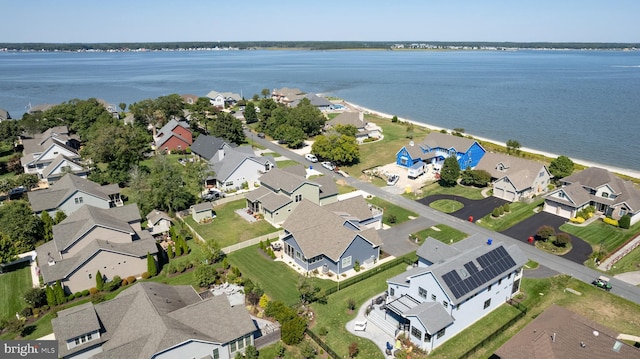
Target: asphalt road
429,216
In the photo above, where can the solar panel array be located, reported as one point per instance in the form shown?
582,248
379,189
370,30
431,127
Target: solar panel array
493,264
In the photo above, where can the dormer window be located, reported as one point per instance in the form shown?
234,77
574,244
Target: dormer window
605,195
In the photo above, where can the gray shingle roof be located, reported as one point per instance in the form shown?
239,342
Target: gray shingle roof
354,119
328,186
354,207
167,131
234,158
595,177
54,196
520,171
315,100
156,215
435,251
278,180
432,315
436,139
207,146
83,317
171,315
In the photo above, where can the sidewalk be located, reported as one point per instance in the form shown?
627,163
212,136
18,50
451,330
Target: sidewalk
614,257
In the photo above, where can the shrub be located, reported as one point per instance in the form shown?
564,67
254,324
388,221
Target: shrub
77,294
322,331
495,213
293,330
307,350
35,297
506,207
562,239
264,301
131,279
124,283
85,292
394,119
392,218
26,312
611,221
501,210
356,266
351,304
625,221
146,275
353,349
205,275
576,220
113,284
93,291
170,253
99,281
544,232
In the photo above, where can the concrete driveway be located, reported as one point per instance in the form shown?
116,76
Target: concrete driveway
477,208
529,227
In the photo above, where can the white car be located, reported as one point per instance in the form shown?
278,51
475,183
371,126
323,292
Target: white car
311,157
392,180
328,165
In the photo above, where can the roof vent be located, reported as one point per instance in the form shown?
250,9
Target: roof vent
596,333
411,143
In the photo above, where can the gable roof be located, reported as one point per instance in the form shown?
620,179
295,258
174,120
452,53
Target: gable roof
54,196
234,158
559,332
355,119
351,208
328,186
432,315
315,101
172,315
280,180
207,146
436,139
520,171
325,234
202,207
58,161
167,132
156,216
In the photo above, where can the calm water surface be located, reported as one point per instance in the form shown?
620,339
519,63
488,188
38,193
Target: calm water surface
583,104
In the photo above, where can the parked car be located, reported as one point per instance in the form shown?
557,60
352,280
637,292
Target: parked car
212,195
328,165
392,179
261,135
311,157
602,282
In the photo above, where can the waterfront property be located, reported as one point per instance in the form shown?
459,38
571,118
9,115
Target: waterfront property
223,100
72,192
94,239
155,320
355,119
332,238
452,287
436,147
515,178
597,187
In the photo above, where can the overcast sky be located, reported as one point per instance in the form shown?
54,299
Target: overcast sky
89,21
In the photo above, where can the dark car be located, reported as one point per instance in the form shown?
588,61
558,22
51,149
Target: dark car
261,135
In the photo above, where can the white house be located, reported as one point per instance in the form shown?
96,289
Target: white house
51,154
234,166
452,287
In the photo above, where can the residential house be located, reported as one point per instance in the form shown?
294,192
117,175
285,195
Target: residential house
175,135
39,107
72,192
111,108
357,211
281,190
515,178
286,95
233,167
189,99
206,147
4,115
559,333
597,187
94,239
316,101
452,287
437,146
223,99
355,119
51,154
317,238
154,320
158,222
202,212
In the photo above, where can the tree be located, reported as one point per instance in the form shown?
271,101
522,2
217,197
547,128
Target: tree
562,239
228,127
251,352
152,269
60,216
170,253
307,350
293,330
9,132
35,297
51,297
122,106
166,190
293,136
206,275
265,93
99,281
561,167
47,226
58,292
20,225
8,251
250,114
478,178
394,119
545,232
337,148
513,146
307,290
450,172
625,221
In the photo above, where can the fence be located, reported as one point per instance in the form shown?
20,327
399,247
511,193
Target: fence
250,242
322,344
505,326
620,252
270,335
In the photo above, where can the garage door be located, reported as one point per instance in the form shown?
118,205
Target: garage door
498,192
557,209
510,196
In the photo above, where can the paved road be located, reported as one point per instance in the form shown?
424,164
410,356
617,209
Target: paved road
430,215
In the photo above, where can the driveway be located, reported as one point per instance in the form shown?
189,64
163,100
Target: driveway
477,208
529,227
395,240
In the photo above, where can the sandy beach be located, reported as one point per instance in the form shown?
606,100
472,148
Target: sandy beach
623,171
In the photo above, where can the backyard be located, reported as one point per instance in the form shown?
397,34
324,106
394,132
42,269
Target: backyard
462,191
229,228
13,284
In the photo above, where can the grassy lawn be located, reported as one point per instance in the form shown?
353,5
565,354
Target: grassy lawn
629,263
443,233
462,191
13,285
344,188
335,314
287,163
383,152
228,228
519,211
531,264
401,214
599,232
446,205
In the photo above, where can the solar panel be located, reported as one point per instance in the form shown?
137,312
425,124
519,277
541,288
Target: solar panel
493,263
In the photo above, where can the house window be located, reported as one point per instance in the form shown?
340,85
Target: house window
403,161
623,212
605,195
90,275
346,261
445,303
240,343
229,183
216,353
416,333
77,341
541,174
391,292
433,297
489,289
298,197
487,303
297,254
427,337
500,281
79,200
233,347
441,333
422,292
89,336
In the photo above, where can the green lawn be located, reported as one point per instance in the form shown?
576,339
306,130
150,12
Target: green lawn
13,285
287,163
445,234
462,191
228,227
446,205
599,232
383,152
390,209
628,263
334,315
518,212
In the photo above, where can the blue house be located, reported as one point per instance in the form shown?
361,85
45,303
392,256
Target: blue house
329,239
437,146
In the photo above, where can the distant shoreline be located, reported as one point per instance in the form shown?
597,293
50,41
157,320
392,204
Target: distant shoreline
623,171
